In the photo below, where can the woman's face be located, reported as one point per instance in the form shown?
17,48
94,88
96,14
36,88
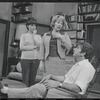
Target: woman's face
32,27
58,25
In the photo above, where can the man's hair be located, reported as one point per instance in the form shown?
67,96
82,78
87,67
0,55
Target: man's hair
86,48
31,21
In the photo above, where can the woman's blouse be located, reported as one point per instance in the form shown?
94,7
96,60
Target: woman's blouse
53,48
25,42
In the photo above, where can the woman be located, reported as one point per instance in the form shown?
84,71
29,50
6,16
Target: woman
29,45
53,47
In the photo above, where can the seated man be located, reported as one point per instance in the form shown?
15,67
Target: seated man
76,80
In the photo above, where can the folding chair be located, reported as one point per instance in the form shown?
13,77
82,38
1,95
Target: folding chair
88,88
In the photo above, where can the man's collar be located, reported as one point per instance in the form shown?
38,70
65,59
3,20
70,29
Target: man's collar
82,61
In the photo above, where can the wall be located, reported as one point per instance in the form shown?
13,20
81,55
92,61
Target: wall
5,10
66,7
5,13
43,11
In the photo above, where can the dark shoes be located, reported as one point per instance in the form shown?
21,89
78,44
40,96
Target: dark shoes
2,95
1,85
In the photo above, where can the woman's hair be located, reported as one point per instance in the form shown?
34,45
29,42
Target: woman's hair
31,21
86,48
53,19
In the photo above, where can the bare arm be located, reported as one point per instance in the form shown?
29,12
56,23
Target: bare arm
66,42
53,77
27,46
58,78
37,40
71,87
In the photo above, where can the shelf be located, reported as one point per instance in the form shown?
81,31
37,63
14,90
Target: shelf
72,38
86,13
87,4
72,21
20,21
92,21
16,40
81,39
43,25
14,46
24,4
23,13
72,30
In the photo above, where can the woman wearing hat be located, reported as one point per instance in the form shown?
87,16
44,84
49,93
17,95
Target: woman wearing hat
53,46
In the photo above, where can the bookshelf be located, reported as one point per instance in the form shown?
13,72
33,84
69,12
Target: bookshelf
75,29
88,13
21,11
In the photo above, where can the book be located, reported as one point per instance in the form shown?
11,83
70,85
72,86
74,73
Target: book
67,18
97,17
80,9
94,7
70,26
84,9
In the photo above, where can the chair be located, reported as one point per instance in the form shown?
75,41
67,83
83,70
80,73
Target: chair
89,86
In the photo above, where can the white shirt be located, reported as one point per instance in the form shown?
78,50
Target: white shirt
80,74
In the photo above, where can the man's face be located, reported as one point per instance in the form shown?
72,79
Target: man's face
77,51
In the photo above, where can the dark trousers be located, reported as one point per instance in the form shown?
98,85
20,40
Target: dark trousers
29,70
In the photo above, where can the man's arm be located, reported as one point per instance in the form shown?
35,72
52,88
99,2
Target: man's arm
53,77
71,87
57,78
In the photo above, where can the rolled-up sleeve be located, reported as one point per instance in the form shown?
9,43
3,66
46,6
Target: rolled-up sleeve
84,78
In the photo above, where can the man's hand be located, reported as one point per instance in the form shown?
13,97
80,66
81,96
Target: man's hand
45,78
51,84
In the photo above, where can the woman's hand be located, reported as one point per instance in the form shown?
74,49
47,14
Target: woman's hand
27,44
51,84
35,31
41,65
57,35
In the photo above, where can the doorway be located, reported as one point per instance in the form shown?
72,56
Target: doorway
4,38
93,37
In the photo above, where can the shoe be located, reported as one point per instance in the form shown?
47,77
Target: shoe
2,95
1,85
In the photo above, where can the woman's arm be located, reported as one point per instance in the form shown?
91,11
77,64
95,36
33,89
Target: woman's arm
66,41
42,50
37,40
26,47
